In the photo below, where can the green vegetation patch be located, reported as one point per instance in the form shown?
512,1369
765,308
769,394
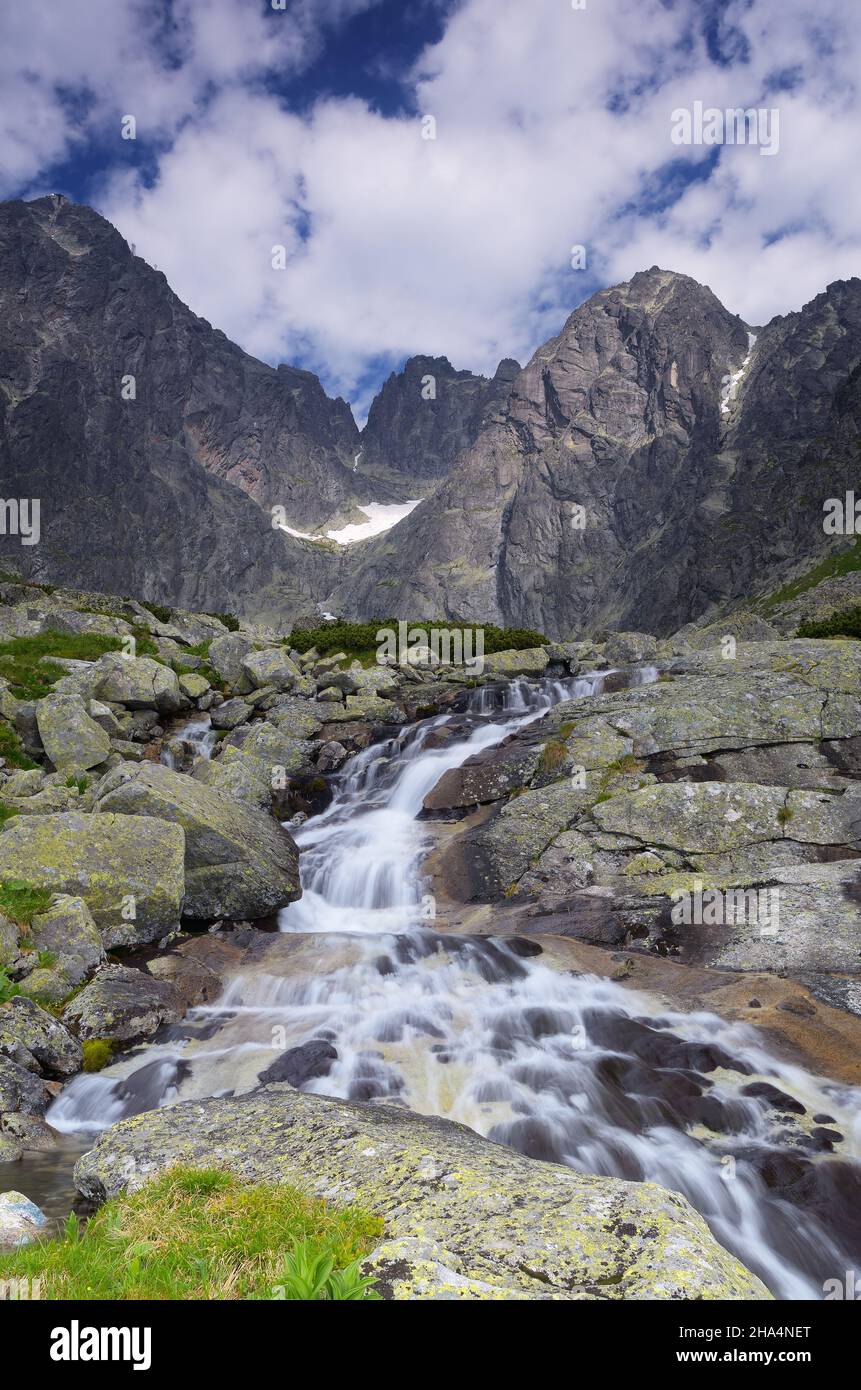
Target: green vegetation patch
21,900
845,562
11,749
25,662
201,1234
97,1053
158,610
846,623
359,640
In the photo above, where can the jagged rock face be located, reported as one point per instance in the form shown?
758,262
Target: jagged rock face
686,505
152,495
428,413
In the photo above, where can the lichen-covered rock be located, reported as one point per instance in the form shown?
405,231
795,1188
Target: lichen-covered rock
627,647
193,685
714,817
128,869
230,714
502,1224
53,1048
71,738
21,1221
530,661
271,667
239,863
67,930
226,655
138,683
237,775
8,941
124,1005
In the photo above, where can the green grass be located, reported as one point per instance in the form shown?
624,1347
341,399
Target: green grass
201,1234
359,640
7,989
11,749
25,662
7,813
845,562
846,623
553,755
80,782
21,901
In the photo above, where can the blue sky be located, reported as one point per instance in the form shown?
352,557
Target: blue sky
551,126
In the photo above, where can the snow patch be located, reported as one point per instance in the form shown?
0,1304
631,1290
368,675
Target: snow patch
733,381
381,516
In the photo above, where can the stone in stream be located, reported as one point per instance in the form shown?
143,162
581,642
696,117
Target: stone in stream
21,1090
239,862
465,1218
300,1064
124,1005
127,868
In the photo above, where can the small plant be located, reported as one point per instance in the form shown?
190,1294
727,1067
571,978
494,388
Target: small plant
97,1053
553,754
784,815
21,900
230,620
12,751
309,1274
158,610
627,763
80,782
7,989
6,813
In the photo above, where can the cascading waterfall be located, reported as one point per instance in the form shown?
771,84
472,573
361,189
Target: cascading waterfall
573,1069
195,739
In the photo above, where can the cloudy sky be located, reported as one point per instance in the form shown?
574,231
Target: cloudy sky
306,127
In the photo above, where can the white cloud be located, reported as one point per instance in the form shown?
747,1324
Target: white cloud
551,122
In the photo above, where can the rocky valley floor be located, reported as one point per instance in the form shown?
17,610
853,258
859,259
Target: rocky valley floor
600,906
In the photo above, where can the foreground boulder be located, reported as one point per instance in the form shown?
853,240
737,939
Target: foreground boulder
128,869
21,1221
34,1039
464,1218
239,863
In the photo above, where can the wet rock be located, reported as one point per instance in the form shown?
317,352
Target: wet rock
774,1098
301,1064
525,1230
124,1005
30,1132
